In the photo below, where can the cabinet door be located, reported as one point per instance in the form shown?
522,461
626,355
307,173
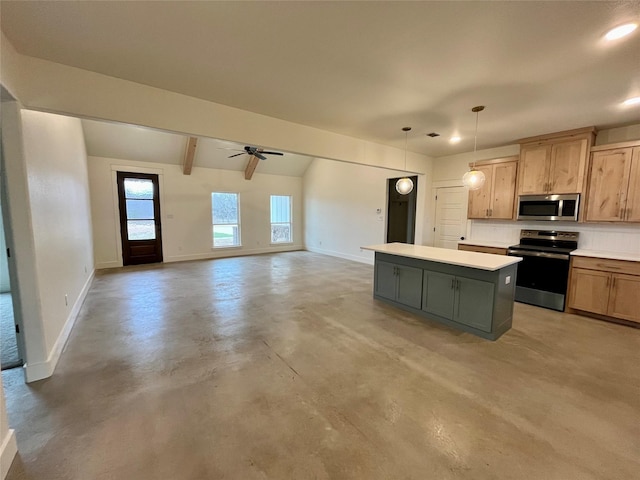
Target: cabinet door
409,286
589,290
608,181
473,304
625,290
566,171
633,191
479,200
385,280
438,294
503,190
534,169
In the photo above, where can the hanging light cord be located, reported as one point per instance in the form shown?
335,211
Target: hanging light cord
475,140
406,133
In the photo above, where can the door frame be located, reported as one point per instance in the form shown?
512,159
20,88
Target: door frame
14,283
116,202
413,206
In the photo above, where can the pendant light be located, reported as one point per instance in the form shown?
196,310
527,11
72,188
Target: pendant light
404,185
474,179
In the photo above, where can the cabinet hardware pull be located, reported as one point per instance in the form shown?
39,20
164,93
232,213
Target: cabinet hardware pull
608,281
491,212
452,283
614,283
457,284
622,213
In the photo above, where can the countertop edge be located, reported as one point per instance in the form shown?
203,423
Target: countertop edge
629,257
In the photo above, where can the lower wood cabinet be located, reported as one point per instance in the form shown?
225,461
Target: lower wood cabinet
463,300
605,287
400,283
477,301
482,249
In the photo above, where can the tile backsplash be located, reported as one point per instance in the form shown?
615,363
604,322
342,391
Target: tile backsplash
602,237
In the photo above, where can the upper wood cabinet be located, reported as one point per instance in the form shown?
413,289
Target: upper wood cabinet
614,184
554,163
496,197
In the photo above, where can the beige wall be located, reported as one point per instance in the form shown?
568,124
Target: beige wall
8,445
340,203
185,202
51,228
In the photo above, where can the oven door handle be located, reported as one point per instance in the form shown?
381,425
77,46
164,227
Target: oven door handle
527,253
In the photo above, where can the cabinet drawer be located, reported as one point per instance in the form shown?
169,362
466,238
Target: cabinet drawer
478,248
606,265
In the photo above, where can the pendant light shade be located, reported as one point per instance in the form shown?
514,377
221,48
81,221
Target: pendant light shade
474,179
404,185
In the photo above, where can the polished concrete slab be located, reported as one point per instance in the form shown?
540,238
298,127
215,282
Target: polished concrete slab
284,367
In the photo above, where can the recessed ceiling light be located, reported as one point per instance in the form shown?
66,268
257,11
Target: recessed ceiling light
455,139
631,101
621,31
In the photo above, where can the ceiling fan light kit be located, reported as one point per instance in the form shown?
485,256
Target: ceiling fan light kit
474,179
404,185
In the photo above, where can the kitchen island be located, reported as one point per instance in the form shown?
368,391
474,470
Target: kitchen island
465,290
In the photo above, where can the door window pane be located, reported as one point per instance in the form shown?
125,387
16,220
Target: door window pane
225,218
140,209
141,229
281,219
140,188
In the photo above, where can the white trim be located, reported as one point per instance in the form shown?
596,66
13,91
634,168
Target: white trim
231,252
8,451
40,370
447,183
346,256
112,264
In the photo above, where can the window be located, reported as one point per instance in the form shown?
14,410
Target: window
280,219
140,213
226,225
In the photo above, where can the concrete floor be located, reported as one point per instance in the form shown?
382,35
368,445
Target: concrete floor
284,367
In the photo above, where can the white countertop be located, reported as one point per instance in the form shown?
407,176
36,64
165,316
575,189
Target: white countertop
487,243
463,258
632,257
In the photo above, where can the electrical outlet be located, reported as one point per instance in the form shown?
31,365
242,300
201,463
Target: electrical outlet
507,280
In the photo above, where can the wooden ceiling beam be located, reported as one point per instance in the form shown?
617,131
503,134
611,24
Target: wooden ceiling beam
251,167
189,154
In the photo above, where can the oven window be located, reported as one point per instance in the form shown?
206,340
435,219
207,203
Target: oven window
539,208
547,274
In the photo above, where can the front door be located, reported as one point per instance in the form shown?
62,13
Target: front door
140,227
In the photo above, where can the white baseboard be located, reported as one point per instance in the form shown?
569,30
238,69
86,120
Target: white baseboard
112,264
346,256
8,450
40,370
233,252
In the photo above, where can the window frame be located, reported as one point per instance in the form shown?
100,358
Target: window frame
238,225
290,222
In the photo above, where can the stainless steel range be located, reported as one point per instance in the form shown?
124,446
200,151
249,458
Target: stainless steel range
544,271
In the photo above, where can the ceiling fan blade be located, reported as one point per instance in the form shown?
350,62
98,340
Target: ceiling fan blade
259,155
235,155
273,153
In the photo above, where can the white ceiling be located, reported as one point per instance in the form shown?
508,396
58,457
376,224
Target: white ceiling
129,142
363,69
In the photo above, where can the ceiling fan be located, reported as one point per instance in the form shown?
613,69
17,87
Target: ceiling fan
258,152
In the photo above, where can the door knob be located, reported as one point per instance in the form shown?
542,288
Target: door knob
461,238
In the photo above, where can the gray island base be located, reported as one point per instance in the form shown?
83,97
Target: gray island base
468,291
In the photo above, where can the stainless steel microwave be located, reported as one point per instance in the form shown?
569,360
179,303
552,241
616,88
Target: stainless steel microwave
549,207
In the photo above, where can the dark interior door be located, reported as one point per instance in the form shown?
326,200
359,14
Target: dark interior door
140,227
401,213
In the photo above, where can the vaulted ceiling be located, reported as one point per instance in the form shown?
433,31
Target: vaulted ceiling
363,69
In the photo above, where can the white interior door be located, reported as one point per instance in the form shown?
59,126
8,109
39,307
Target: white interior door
451,216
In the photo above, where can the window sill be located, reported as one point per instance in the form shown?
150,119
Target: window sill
231,247
281,243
